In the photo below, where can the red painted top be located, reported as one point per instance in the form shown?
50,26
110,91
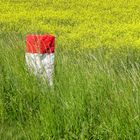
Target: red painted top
40,44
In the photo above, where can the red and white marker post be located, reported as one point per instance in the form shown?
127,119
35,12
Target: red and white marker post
40,55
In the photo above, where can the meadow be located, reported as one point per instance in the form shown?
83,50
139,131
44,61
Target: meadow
96,93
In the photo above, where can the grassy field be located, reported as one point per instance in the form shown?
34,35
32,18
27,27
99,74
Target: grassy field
96,92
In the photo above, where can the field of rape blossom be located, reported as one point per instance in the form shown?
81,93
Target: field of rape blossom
96,93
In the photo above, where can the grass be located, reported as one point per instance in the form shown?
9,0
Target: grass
97,71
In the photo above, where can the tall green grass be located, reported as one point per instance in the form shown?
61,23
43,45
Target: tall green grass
96,95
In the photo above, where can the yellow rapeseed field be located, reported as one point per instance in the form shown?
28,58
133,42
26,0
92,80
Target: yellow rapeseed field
92,23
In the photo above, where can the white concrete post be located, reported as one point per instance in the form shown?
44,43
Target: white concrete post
40,55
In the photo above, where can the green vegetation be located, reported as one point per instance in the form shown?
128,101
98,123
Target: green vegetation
96,92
